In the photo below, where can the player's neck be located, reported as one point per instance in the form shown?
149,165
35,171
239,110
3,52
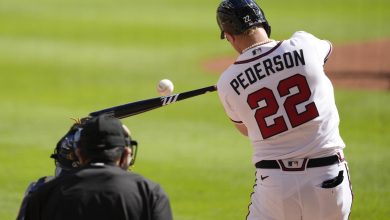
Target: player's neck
257,43
249,42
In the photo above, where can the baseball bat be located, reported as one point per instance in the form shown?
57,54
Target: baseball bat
134,108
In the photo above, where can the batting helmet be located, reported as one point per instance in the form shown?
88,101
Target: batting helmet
237,16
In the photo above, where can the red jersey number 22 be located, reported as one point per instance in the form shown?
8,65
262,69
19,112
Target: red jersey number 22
290,106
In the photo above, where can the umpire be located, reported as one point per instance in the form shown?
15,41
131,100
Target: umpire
101,188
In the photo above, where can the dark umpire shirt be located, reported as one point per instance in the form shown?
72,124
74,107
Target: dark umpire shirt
99,192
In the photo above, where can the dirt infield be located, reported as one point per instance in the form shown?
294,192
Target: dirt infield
363,65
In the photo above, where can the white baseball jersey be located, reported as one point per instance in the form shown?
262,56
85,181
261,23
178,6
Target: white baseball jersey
280,92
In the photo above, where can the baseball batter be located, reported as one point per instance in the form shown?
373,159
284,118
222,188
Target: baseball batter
278,95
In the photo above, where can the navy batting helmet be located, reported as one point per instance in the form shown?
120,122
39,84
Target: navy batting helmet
237,16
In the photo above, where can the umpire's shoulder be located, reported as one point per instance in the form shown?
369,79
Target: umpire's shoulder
145,182
139,178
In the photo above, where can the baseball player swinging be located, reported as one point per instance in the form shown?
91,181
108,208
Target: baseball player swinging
278,95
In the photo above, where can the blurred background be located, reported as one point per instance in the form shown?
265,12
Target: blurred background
63,59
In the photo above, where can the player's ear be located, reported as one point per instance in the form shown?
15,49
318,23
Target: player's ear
229,37
126,158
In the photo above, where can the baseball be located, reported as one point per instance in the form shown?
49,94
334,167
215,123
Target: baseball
165,87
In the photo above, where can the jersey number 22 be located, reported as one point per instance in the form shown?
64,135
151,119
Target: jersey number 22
290,105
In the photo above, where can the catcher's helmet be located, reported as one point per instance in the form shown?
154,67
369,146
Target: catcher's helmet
64,153
237,16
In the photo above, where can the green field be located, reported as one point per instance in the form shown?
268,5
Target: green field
63,59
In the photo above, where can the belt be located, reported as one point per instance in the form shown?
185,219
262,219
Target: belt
315,162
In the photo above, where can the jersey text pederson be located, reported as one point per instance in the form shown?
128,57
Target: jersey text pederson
267,67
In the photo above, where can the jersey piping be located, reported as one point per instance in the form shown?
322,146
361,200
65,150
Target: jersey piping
237,122
330,51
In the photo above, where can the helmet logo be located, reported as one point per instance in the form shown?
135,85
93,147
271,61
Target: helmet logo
247,19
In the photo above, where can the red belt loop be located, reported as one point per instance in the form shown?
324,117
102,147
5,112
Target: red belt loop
341,156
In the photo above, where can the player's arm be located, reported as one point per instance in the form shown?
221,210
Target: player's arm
242,128
324,48
232,114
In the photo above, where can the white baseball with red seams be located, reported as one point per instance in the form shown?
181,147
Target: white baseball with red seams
165,87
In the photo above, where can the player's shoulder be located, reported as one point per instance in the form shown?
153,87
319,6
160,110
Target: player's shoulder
226,76
306,39
303,36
